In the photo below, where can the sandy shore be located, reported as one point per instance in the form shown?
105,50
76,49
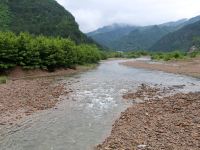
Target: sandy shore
170,123
29,91
187,67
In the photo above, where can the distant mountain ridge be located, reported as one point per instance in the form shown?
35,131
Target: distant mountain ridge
126,38
45,17
106,35
182,39
141,38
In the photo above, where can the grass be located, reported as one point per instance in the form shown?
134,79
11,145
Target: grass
3,79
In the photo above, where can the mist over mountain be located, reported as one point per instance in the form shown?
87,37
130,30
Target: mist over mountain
182,39
127,37
106,35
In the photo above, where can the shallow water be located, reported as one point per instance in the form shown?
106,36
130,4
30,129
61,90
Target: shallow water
85,119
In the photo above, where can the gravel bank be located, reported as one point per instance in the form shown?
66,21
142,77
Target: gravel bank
170,123
23,97
28,91
187,67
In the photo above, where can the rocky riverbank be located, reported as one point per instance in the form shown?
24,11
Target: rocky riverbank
23,97
170,123
186,67
29,91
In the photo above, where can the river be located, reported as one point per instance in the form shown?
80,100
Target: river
84,119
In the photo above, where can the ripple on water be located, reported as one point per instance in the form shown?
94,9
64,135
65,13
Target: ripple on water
86,118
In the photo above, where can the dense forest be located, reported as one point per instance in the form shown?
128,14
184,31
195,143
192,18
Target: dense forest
32,52
45,17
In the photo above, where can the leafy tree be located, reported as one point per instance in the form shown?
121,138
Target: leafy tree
32,52
8,50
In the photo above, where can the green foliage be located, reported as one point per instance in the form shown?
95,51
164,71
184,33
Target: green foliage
8,50
88,54
176,55
194,54
111,54
182,39
164,37
104,55
5,17
32,52
3,79
164,56
142,38
45,17
126,38
136,54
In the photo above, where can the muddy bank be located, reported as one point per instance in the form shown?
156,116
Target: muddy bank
186,67
29,91
170,123
19,73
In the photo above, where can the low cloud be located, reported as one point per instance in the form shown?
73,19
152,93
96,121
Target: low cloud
92,14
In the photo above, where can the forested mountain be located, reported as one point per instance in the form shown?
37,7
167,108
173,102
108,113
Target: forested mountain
106,35
141,38
126,38
182,39
45,17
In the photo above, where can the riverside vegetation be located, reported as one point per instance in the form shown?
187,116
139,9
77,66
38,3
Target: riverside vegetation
33,52
159,56
39,55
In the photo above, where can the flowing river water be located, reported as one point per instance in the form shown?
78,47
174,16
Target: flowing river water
84,119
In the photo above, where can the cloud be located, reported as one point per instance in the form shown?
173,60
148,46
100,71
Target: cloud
92,14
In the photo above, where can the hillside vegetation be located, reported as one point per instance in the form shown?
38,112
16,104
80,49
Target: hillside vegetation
45,17
141,38
156,37
182,39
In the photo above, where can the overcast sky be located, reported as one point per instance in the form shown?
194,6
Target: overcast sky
92,14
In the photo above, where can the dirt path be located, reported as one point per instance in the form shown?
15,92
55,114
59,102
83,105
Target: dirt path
170,123
187,67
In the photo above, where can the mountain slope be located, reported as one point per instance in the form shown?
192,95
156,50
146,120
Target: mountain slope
45,17
181,39
106,35
126,38
141,39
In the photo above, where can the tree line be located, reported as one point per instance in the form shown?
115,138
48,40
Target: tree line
32,52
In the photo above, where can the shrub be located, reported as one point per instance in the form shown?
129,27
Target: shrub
32,52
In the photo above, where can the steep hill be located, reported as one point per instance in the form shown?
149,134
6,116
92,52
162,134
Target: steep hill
106,35
141,38
45,17
182,39
126,38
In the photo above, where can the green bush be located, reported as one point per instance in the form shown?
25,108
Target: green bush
136,54
194,54
88,54
32,52
176,55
